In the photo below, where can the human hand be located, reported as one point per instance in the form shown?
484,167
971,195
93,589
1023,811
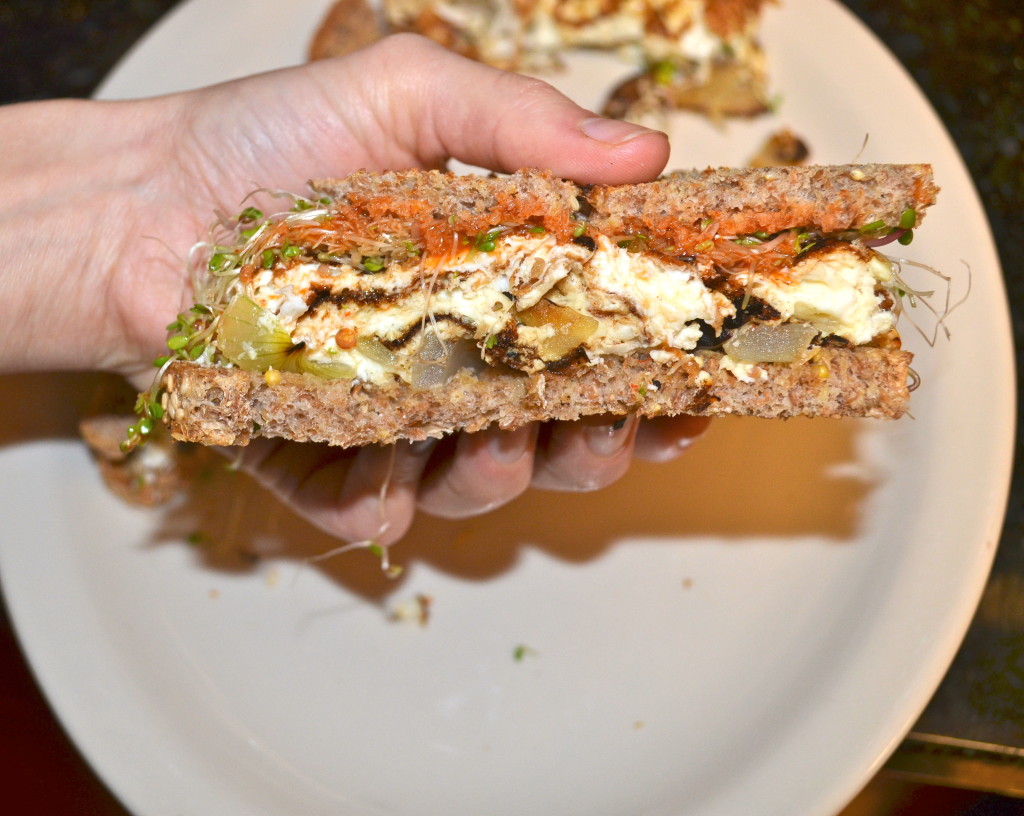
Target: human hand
119,172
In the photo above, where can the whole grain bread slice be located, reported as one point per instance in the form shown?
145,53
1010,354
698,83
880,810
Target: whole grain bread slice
824,197
452,197
428,204
828,198
222,406
738,201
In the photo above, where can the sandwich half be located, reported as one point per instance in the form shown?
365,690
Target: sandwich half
407,305
700,55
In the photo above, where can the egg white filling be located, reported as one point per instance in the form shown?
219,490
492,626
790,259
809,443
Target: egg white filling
835,291
630,301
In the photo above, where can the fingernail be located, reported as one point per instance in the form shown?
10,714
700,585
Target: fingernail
607,440
508,447
612,131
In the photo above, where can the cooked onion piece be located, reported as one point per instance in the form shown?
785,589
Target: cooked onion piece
768,343
571,328
437,362
373,349
253,339
325,369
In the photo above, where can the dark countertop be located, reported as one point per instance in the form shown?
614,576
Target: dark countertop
968,57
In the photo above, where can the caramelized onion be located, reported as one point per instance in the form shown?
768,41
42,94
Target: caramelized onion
770,343
325,369
437,362
254,340
572,328
372,349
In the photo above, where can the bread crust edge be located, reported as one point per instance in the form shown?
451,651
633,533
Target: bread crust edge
229,406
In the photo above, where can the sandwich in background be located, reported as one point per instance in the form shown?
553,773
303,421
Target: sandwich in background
698,55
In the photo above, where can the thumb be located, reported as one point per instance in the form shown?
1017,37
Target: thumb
440,105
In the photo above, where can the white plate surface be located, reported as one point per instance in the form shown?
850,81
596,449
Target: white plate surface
749,630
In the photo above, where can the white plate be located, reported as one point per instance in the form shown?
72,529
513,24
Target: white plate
749,630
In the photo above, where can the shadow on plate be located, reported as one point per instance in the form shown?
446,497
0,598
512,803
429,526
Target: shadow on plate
746,480
35,407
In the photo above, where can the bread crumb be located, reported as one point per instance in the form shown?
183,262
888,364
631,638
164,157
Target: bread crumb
416,609
783,148
521,651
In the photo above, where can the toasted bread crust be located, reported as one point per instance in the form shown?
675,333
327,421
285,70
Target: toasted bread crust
673,208
223,406
451,194
828,198
742,200
431,200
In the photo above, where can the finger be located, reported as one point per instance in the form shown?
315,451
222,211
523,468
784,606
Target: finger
357,495
585,455
378,498
486,470
662,439
437,105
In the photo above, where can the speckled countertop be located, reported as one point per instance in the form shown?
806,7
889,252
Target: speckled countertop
967,56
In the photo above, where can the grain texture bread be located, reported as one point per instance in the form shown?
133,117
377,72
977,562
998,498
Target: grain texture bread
231,407
824,197
467,202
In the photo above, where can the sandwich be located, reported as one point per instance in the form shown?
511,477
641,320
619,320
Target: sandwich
700,55
348,26
154,475
413,304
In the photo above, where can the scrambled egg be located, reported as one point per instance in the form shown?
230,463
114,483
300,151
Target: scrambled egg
626,300
835,290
